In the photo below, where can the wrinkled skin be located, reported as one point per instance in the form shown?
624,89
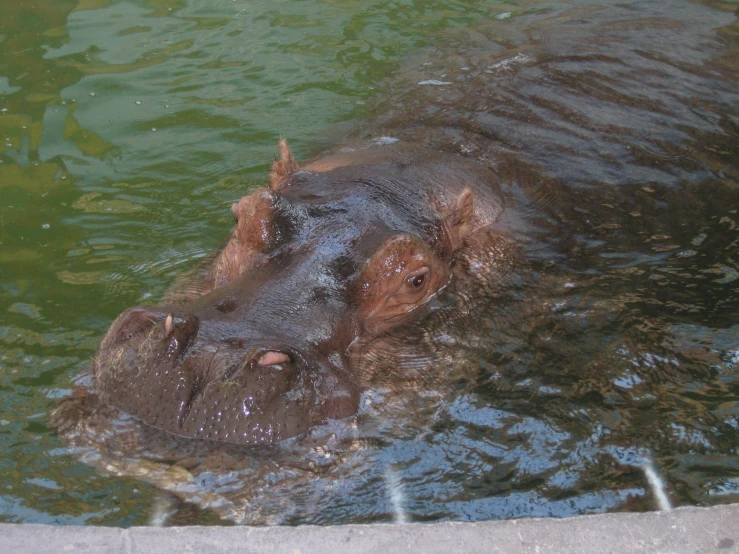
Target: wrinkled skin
328,258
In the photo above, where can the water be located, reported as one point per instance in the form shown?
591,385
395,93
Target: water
610,345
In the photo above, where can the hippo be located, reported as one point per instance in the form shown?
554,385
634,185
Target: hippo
382,336
322,264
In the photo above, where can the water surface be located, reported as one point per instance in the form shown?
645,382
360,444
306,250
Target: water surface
128,128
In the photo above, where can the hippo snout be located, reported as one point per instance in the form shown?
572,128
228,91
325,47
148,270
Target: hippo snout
199,376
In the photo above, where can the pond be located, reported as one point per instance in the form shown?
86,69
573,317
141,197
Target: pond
601,357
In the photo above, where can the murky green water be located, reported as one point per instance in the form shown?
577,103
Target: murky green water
128,128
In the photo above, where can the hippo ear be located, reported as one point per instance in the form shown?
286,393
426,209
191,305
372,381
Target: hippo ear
283,167
459,219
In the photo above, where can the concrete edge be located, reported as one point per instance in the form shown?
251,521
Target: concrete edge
714,529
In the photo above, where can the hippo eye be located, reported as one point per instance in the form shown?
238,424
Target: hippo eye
417,279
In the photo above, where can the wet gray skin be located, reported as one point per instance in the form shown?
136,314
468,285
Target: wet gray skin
330,256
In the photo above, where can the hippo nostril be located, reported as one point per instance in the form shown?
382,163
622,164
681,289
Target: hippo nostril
273,358
130,324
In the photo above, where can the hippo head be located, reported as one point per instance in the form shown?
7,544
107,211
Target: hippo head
348,248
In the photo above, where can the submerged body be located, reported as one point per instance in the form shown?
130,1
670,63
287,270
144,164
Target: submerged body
267,343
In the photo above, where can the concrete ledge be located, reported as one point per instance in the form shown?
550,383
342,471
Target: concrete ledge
684,530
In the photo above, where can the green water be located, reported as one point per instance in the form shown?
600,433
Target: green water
127,129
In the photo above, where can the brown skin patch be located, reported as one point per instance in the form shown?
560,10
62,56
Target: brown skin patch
401,276
352,158
252,236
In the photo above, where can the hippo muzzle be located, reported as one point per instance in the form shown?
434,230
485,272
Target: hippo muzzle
185,370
